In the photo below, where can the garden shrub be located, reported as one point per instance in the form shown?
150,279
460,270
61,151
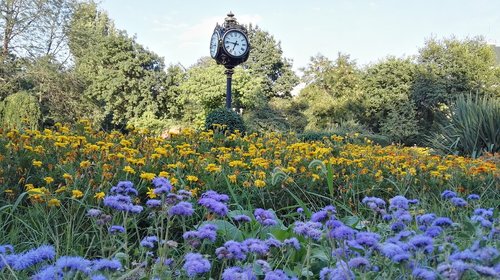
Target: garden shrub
472,128
229,120
20,110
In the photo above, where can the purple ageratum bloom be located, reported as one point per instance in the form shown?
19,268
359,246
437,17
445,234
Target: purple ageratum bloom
214,206
74,263
426,219
50,272
300,210
459,202
413,201
359,262
182,208
277,274
447,194
121,202
387,217
255,245
422,242
473,196
293,242
424,274
98,277
264,217
339,273
342,232
232,250
323,214
105,264
215,196
433,231
373,202
149,241
242,219
124,188
487,254
442,222
237,273
195,264
398,226
153,203
162,185
452,271
94,213
7,248
185,194
116,229
273,242
368,239
465,255
208,231
486,271
398,202
309,229
402,216
32,257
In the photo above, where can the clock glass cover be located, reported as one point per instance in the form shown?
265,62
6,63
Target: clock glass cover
214,44
235,43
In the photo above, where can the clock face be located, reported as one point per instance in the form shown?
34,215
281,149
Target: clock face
235,43
214,44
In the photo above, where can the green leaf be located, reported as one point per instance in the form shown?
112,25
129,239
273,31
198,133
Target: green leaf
226,230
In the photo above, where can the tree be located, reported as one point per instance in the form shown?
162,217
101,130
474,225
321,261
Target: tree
450,68
123,78
266,60
332,92
387,89
205,90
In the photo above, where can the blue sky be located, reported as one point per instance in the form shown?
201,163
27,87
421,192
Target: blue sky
368,30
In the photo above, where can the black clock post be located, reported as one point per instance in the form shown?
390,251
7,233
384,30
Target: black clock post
230,47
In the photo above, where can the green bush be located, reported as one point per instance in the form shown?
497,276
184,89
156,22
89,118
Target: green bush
229,120
472,128
20,110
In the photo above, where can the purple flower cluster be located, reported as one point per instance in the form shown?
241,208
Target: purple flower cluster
25,260
309,229
484,217
196,237
122,202
161,186
237,273
324,214
124,188
116,229
195,264
215,202
182,208
149,241
265,217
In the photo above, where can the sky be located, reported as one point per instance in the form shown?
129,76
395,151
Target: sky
367,30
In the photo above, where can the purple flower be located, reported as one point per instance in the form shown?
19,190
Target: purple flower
293,242
273,242
339,273
413,201
98,277
124,188
486,271
473,196
4,249
323,214
459,202
32,257
342,232
398,226
149,241
387,217
49,272
374,203
465,255
105,264
232,250
447,194
162,185
309,229
255,245
214,206
402,216
398,202
182,208
442,222
424,274
195,237
433,231
242,219
426,219
215,196
359,262
121,203
74,263
277,274
237,273
195,264
116,229
264,217
300,210
153,203
94,213
368,239
422,242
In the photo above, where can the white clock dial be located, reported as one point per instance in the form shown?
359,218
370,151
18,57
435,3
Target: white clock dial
235,43
214,44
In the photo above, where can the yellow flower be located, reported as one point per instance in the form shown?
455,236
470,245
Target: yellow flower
9,192
173,180
54,202
67,176
61,189
232,178
37,163
99,195
151,193
212,168
85,164
29,187
129,169
192,178
48,180
163,174
315,177
76,194
260,183
147,176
